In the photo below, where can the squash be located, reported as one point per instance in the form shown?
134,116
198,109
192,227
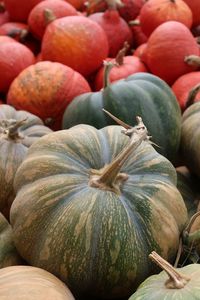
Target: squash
95,203
139,94
8,253
195,8
18,130
30,283
176,284
190,137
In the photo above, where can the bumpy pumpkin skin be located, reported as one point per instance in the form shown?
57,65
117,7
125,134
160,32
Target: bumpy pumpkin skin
153,288
190,138
30,283
140,94
13,150
8,253
95,240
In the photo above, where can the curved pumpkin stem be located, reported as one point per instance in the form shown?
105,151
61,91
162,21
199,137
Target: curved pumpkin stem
108,65
11,127
109,177
192,95
120,55
176,280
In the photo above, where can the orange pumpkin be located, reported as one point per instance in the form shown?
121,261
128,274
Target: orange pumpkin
195,8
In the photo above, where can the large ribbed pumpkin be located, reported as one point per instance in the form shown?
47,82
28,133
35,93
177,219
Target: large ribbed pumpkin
8,253
140,94
190,137
30,283
18,130
93,222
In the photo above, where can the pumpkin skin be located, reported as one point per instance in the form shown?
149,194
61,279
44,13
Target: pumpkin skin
153,288
140,94
183,85
45,89
4,17
190,137
77,42
167,47
95,231
8,253
30,283
37,21
195,8
14,57
156,12
111,22
13,149
130,9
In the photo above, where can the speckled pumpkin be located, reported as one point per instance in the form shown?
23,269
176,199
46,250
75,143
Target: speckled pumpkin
18,130
92,231
30,283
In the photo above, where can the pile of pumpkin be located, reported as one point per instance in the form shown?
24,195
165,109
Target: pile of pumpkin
99,149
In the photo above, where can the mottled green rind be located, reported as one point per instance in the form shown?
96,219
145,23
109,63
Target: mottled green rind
190,138
153,288
141,94
8,253
96,241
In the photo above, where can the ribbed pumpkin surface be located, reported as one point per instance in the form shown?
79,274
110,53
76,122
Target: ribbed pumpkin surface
95,240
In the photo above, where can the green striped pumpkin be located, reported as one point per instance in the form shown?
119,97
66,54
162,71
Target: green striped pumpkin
141,94
190,138
96,239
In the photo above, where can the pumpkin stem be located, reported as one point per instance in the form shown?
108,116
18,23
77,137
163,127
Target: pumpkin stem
11,127
192,95
176,280
191,238
192,60
110,176
135,22
48,16
108,65
120,55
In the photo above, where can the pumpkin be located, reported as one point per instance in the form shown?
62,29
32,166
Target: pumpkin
183,87
95,203
14,57
18,130
4,16
111,22
195,8
188,186
46,11
130,9
30,283
19,10
190,137
8,253
168,49
156,12
16,30
124,65
45,89
77,42
171,283
138,35
139,94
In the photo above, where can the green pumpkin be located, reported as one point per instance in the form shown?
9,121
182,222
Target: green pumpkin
8,253
18,130
141,94
170,284
190,138
90,206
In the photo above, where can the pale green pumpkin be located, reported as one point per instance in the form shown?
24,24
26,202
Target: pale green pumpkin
91,205
170,284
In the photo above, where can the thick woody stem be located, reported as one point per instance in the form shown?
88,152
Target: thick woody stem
176,280
120,55
108,65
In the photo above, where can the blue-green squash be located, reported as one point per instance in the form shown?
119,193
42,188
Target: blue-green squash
90,206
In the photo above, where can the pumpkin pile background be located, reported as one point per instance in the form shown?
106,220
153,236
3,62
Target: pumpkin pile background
79,216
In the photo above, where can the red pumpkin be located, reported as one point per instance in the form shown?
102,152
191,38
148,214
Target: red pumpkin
183,85
138,35
129,65
112,24
167,49
41,15
45,89
77,42
14,57
4,17
130,9
156,12
139,51
195,8
20,9
16,30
